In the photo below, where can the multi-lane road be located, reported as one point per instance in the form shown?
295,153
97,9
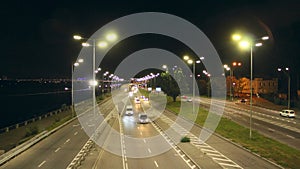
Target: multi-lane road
265,121
125,143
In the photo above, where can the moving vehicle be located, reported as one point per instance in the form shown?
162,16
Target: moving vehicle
244,100
287,113
137,101
143,118
129,110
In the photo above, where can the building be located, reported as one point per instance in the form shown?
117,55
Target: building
259,86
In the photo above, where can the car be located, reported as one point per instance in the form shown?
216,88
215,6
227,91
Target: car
243,100
287,113
189,99
143,118
137,101
129,110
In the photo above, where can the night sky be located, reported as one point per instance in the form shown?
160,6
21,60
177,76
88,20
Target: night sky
36,37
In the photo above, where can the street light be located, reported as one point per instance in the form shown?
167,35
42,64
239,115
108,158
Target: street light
101,44
190,61
289,84
246,44
72,70
230,75
230,69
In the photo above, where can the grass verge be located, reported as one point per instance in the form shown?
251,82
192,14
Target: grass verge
273,150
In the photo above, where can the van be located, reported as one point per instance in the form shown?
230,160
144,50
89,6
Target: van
288,113
129,110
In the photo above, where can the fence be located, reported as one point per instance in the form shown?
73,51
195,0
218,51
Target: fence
24,123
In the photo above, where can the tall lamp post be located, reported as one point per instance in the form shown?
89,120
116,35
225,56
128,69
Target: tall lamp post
289,84
230,69
246,44
190,61
230,83
234,64
72,83
102,44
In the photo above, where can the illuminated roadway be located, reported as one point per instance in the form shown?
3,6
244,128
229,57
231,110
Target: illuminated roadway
60,148
215,153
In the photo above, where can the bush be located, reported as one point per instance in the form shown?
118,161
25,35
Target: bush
64,107
31,131
185,139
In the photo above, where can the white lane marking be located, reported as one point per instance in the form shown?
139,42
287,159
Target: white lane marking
290,136
42,163
144,140
67,141
149,150
156,164
226,164
271,130
221,159
75,133
57,149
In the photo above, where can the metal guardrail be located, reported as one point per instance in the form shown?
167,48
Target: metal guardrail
26,145
24,123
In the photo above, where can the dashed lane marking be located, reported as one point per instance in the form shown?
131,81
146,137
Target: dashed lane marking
42,163
156,164
57,149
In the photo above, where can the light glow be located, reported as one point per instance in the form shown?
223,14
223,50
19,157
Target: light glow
265,38
258,44
236,37
77,37
85,44
244,44
93,82
111,37
190,62
186,57
102,44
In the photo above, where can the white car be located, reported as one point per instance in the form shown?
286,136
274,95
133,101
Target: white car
129,110
288,113
143,118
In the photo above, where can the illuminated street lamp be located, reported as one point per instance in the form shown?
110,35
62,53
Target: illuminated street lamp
230,75
72,83
190,61
246,44
289,84
101,44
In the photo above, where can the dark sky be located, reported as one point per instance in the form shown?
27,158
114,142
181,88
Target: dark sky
36,37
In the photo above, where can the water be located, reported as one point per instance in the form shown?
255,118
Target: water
22,100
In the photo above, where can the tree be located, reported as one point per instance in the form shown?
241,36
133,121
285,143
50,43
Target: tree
170,85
